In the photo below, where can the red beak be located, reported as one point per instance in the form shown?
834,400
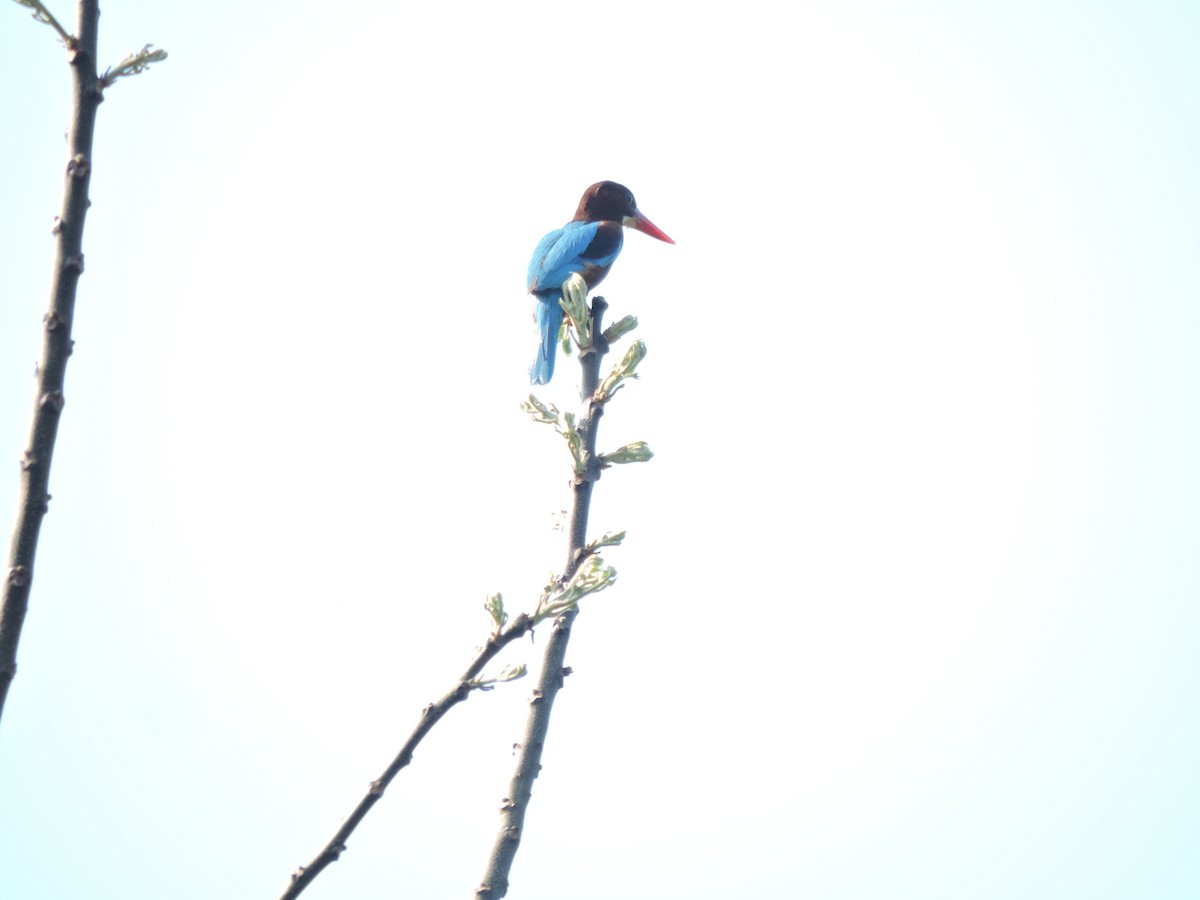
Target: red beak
645,226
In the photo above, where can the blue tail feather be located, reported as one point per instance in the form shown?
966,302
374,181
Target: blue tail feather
549,315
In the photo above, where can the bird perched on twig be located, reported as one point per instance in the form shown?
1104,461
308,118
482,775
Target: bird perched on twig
587,245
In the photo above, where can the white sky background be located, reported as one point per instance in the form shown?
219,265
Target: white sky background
908,603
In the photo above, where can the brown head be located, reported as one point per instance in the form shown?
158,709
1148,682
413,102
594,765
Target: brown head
612,202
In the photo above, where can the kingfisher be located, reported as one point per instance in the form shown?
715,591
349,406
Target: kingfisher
587,245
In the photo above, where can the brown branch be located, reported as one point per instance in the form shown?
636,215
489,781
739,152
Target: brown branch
34,496
588,581
529,756
430,716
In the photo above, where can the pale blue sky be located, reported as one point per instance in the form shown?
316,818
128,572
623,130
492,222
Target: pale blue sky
908,604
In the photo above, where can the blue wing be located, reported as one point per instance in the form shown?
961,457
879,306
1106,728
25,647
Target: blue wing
588,248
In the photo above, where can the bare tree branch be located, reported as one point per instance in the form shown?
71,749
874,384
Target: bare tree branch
585,573
586,472
430,716
34,496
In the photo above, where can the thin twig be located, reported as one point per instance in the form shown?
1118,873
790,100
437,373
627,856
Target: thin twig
430,716
34,496
43,15
529,755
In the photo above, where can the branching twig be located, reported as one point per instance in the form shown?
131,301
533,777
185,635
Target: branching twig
43,15
34,496
585,573
580,558
430,716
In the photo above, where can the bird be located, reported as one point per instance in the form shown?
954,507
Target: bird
587,245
